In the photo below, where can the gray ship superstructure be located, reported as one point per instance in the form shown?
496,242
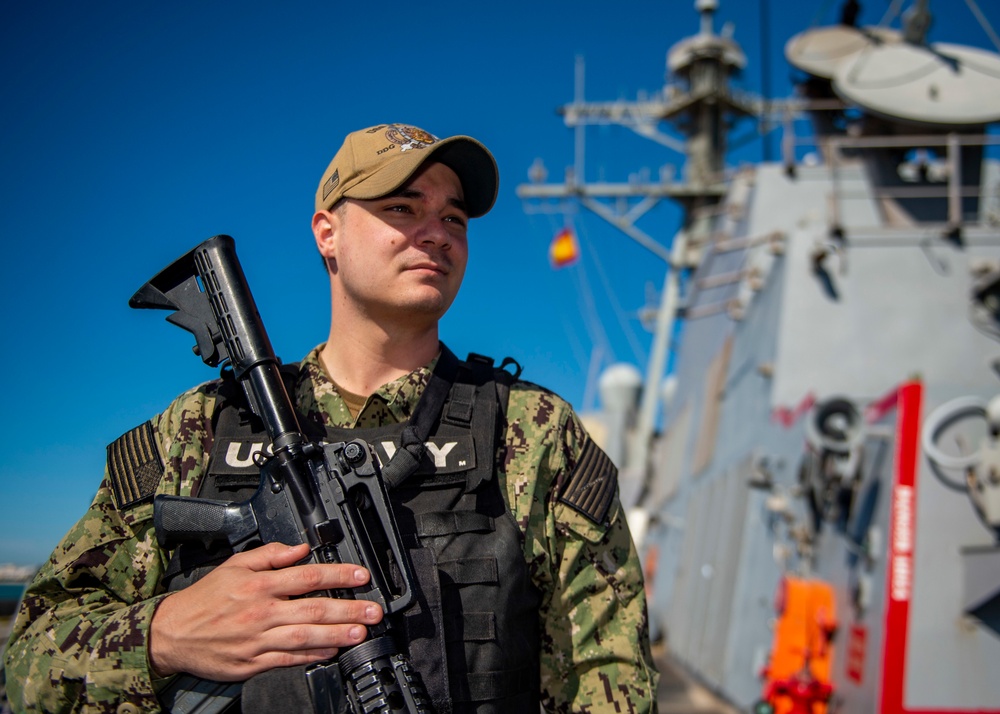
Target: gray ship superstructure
835,416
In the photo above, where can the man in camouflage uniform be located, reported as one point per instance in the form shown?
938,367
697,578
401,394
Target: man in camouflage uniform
97,632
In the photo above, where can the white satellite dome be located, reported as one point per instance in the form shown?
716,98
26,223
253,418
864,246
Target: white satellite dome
938,85
619,386
821,50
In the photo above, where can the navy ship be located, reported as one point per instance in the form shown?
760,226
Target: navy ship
817,495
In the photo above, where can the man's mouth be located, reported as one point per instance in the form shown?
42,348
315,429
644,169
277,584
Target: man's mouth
428,265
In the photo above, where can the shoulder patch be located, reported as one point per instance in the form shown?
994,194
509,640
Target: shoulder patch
590,489
134,466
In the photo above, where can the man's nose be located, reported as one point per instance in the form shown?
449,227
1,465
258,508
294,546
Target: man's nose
434,231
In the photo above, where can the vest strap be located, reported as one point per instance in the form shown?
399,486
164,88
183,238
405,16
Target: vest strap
471,627
459,412
470,571
445,523
481,686
426,415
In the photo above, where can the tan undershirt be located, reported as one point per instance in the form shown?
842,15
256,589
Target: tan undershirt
354,402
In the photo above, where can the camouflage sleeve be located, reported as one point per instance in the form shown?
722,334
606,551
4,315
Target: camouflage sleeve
80,638
595,652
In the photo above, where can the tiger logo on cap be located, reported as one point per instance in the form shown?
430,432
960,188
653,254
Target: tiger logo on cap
409,137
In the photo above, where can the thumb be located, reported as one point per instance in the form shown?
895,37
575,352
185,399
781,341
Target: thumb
271,556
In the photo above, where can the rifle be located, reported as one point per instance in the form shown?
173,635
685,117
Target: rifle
329,495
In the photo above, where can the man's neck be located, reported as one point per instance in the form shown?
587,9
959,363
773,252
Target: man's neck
361,362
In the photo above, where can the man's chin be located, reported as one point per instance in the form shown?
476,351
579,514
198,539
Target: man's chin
420,308
430,298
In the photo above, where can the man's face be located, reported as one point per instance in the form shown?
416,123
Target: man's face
401,257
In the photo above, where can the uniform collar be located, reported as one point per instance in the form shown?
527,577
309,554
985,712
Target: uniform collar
318,399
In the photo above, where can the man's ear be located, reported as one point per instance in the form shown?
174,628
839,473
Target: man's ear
325,225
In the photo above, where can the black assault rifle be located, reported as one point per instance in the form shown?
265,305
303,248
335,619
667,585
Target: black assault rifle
328,495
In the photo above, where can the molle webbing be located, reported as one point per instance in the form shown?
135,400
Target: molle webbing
431,525
473,570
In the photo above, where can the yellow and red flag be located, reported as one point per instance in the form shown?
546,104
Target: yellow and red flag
564,250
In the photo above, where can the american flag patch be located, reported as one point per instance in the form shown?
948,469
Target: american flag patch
134,466
590,489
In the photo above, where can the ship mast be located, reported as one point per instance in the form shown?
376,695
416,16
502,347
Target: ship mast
702,107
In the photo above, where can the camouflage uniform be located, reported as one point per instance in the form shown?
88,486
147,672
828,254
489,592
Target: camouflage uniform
80,639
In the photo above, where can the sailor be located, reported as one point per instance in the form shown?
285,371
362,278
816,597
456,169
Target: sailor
530,590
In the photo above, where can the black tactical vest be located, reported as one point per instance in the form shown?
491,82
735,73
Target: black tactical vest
473,631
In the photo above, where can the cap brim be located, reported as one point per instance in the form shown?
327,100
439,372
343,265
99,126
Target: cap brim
470,160
476,169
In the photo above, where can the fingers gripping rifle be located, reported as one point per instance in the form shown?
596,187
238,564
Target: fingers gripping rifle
328,495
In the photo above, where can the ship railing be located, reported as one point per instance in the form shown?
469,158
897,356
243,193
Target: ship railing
839,148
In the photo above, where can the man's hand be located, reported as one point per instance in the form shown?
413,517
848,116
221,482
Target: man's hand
240,619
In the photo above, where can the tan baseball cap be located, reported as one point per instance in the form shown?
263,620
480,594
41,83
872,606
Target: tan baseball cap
376,161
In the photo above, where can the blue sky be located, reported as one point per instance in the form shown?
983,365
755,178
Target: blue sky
131,131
